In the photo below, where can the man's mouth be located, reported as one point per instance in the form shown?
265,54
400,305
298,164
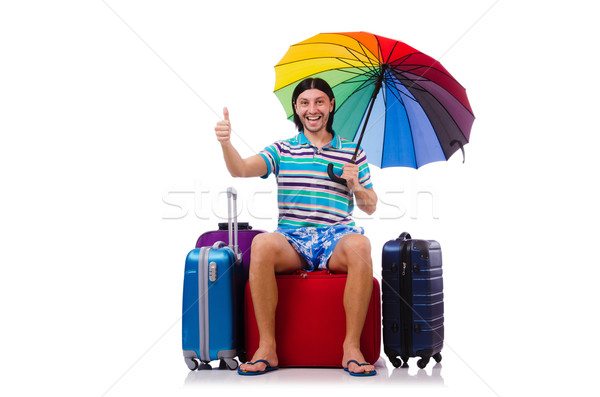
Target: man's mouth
313,118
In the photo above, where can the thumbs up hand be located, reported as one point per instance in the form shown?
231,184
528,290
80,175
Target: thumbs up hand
223,128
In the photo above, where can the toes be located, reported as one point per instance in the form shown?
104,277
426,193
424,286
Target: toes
253,367
356,368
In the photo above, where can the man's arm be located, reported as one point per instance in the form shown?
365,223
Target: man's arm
236,165
366,199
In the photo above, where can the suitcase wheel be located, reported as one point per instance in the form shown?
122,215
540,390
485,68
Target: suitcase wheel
422,363
437,357
229,363
396,362
204,366
192,363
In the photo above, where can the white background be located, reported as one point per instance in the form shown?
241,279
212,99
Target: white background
110,170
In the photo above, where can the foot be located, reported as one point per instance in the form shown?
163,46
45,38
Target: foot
268,368
351,357
267,354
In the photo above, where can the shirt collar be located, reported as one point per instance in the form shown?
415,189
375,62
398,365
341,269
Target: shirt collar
335,143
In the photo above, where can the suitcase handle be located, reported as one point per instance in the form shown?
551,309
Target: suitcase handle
304,273
219,244
241,226
404,236
232,218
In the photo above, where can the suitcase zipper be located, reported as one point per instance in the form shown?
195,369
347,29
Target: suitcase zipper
406,297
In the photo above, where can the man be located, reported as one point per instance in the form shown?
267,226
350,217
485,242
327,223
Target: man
315,231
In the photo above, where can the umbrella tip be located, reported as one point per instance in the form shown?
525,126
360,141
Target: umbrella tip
462,148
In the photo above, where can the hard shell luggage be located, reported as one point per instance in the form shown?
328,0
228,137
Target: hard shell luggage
211,306
245,236
413,300
310,322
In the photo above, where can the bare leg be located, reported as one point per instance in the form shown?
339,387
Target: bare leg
271,254
352,255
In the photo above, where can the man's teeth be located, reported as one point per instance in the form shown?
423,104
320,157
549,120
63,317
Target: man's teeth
314,118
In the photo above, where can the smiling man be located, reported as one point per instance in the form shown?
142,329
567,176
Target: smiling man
315,229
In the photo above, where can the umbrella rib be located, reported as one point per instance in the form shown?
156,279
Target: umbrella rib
379,51
384,123
401,101
348,63
442,107
391,52
418,87
332,44
395,78
364,52
369,58
369,75
411,67
412,138
366,84
402,59
345,70
319,57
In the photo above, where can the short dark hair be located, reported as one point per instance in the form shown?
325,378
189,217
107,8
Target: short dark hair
309,84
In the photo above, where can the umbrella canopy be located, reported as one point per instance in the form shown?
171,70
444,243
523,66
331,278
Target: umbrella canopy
410,109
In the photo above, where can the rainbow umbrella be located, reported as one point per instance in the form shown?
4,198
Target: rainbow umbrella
412,110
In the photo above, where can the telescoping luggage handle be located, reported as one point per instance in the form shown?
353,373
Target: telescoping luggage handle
233,223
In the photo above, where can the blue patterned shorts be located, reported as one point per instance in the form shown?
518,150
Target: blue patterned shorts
316,244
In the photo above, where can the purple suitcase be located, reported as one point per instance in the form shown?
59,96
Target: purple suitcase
245,236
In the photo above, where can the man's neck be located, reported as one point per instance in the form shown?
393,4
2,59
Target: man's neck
320,138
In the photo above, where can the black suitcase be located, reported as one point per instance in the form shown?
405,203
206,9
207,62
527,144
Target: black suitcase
413,300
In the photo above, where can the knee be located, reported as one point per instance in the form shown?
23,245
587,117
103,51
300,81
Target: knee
360,246
260,247
264,248
357,253
259,242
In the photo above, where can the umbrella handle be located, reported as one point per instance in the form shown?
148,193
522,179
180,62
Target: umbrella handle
333,176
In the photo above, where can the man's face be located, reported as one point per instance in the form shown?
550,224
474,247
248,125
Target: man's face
313,107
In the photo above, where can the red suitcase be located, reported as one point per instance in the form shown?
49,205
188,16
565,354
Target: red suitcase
311,322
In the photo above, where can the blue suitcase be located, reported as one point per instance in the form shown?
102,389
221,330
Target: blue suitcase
413,300
211,307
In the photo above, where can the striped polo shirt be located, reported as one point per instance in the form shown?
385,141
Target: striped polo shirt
306,196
